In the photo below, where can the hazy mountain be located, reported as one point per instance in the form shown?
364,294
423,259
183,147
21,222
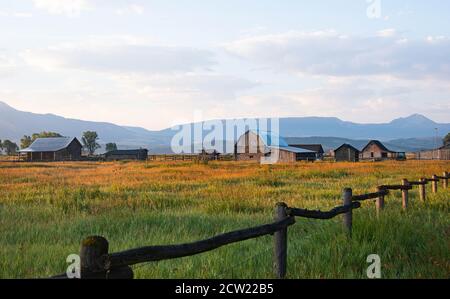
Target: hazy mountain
404,134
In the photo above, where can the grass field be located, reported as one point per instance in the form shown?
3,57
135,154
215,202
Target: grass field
47,209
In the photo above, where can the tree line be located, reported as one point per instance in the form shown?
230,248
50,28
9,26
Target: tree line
88,140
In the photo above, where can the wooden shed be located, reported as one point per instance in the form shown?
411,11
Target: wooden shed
254,146
131,154
317,151
375,150
52,149
346,153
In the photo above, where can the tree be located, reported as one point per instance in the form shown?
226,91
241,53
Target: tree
10,147
26,141
111,147
89,140
447,140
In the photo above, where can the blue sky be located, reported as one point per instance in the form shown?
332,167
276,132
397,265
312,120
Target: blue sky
157,63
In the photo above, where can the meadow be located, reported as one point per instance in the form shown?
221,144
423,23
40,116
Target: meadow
46,209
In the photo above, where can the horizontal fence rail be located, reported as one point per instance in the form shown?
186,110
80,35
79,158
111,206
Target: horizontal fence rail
97,263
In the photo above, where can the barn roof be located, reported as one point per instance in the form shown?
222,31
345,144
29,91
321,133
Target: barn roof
347,145
312,147
274,141
378,143
127,152
53,144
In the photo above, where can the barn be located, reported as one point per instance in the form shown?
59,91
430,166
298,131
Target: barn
317,150
253,146
375,150
52,149
131,154
346,153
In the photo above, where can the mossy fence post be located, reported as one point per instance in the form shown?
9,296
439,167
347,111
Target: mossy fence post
92,254
379,202
348,217
280,243
422,188
434,184
405,194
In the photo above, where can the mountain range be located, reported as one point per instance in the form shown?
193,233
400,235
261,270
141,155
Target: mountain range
412,133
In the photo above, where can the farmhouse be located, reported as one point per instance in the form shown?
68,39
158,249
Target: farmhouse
317,150
132,154
346,153
375,150
253,146
53,149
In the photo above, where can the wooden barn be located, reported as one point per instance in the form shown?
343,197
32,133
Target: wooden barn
375,150
131,154
253,146
317,150
52,149
346,153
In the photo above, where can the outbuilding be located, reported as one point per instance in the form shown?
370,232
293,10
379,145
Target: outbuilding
52,149
131,154
346,153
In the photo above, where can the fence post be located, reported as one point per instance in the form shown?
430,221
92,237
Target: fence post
422,188
405,194
93,250
445,180
434,184
280,239
348,217
380,202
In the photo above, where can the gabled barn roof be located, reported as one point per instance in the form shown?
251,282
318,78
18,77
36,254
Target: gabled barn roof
53,144
312,147
377,143
274,141
349,146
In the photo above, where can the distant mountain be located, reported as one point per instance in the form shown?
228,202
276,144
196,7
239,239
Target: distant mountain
404,134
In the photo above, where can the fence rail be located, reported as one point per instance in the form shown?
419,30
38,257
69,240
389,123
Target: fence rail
96,262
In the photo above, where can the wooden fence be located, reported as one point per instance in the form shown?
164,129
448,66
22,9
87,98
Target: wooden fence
98,263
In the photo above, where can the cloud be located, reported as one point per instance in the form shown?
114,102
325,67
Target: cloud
66,7
120,56
130,9
328,53
7,65
15,14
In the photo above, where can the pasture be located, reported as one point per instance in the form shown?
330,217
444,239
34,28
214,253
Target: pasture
46,209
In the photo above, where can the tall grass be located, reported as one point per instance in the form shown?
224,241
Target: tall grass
47,209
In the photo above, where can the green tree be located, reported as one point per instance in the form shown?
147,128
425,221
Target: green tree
26,141
447,140
111,147
89,140
10,147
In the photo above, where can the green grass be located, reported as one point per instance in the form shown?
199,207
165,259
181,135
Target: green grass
44,222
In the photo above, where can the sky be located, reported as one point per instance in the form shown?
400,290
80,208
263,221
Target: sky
157,63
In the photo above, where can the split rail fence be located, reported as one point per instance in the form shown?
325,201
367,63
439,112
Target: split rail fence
98,263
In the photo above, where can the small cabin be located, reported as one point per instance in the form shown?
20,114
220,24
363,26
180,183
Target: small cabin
131,154
346,153
52,149
375,150
254,146
317,151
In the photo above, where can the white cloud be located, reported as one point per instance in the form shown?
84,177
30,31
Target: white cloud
327,53
130,9
120,56
67,7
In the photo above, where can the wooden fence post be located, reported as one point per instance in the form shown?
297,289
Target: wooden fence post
93,250
380,202
434,184
280,246
445,183
422,188
348,217
405,194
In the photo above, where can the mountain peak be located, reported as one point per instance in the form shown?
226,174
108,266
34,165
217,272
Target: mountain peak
413,119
